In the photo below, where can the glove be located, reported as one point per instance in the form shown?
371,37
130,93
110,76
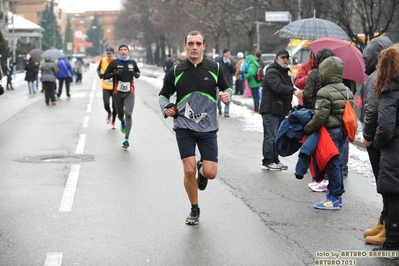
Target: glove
119,72
172,105
136,75
101,76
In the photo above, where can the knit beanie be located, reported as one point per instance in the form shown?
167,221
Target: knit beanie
123,45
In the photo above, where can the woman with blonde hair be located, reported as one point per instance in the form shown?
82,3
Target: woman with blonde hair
387,140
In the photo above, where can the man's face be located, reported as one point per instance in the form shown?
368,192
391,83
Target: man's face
283,61
124,52
194,47
109,55
227,54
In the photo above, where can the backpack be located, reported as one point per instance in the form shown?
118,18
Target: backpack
244,67
349,119
259,75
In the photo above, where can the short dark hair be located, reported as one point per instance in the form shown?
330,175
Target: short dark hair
194,32
258,54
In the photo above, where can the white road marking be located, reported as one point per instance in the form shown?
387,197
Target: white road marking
70,189
78,95
85,121
81,144
93,88
53,259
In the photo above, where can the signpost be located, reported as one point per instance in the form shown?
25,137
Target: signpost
278,16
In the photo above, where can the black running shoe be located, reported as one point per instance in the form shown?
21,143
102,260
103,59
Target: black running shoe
201,180
193,218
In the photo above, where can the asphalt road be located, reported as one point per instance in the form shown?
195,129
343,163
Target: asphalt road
70,195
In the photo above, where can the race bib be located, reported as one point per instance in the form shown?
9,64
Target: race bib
108,81
123,86
189,114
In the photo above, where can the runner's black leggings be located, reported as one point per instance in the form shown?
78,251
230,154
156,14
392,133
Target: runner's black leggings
107,95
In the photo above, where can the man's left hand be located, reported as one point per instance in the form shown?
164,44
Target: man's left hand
224,97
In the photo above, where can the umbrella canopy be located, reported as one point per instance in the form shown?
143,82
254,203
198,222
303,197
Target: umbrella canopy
312,29
53,53
35,54
354,65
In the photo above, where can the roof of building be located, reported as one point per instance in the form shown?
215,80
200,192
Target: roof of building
21,23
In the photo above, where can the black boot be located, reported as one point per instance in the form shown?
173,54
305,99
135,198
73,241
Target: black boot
392,240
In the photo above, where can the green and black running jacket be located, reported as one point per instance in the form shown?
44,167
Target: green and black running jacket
196,87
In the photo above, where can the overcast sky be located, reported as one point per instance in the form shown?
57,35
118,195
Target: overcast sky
87,5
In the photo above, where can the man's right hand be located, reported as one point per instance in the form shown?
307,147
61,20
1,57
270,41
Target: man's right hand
101,76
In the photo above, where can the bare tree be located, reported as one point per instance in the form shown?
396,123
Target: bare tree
369,17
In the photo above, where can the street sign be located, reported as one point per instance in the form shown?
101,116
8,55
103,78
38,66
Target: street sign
69,46
277,16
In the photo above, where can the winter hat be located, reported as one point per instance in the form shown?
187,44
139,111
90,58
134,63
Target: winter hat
110,50
123,45
225,50
282,53
240,55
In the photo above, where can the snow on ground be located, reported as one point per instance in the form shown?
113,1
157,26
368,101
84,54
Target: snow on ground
358,158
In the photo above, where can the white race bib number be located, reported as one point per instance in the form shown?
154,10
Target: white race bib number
108,81
191,115
123,86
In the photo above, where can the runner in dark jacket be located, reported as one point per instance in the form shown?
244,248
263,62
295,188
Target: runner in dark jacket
123,70
195,82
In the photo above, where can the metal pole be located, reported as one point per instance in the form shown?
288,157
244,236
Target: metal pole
258,35
299,9
13,38
54,31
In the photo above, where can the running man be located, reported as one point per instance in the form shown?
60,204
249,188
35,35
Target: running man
107,85
123,70
195,81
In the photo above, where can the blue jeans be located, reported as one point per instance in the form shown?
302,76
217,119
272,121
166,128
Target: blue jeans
335,173
31,86
226,106
270,127
255,97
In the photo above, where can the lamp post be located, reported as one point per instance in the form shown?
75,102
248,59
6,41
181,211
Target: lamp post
257,23
13,37
100,47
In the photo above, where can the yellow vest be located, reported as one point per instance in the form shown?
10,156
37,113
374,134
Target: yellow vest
106,84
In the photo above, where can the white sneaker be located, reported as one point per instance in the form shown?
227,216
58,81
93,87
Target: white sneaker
320,187
282,166
270,166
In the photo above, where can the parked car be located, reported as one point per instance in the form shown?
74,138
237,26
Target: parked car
268,58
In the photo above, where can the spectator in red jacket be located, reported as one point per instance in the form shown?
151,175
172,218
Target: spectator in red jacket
302,74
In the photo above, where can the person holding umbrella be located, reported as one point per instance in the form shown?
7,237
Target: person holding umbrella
30,75
48,72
